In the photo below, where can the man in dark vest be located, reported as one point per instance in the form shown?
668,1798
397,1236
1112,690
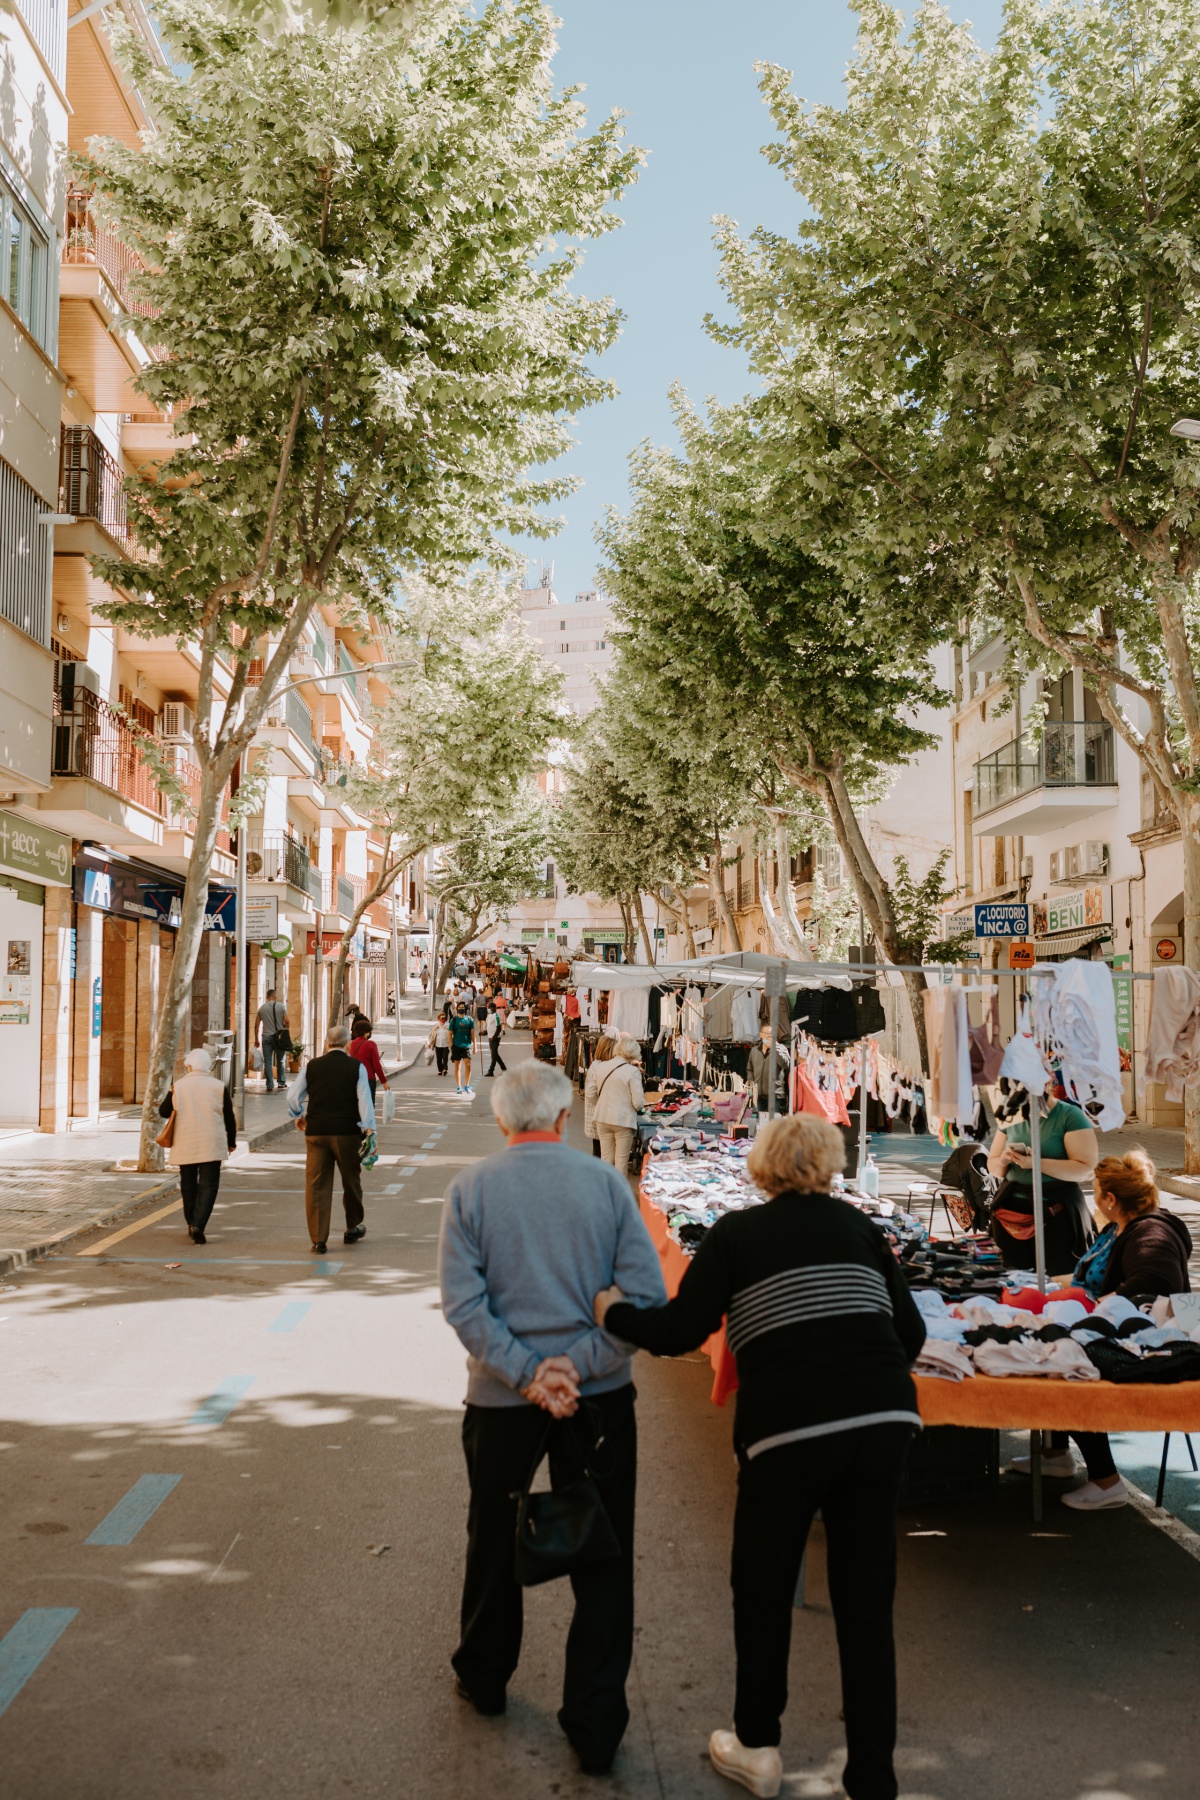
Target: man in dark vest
335,1089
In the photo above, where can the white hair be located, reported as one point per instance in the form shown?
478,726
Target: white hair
629,1048
198,1062
337,1037
530,1098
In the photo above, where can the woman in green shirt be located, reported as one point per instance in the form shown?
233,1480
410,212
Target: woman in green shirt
1070,1147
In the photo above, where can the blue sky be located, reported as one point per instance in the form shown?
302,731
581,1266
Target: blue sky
683,72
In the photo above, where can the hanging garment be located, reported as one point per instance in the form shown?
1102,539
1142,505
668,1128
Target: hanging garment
744,1020
808,1098
987,1052
692,1015
718,1014
669,1013
947,1036
1084,1024
1173,1040
629,1011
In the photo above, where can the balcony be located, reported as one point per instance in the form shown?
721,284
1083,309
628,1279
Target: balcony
341,893
100,356
280,859
289,727
103,788
1026,788
91,486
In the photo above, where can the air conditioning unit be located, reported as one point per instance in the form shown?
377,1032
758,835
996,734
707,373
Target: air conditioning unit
75,678
1096,858
1026,868
1065,864
176,722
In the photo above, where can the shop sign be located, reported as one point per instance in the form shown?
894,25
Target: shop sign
97,1006
1001,919
532,937
30,849
608,937
1123,1002
1021,954
377,951
1168,950
959,924
132,894
329,943
1072,912
262,918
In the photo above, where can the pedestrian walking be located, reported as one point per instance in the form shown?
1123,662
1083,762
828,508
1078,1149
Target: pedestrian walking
825,1331
522,1232
424,980
619,1103
203,1134
462,1046
271,1026
494,1026
331,1103
439,1040
365,1050
602,1057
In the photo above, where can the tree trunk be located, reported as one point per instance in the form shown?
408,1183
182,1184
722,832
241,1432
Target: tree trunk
384,880
176,999
678,910
1189,819
649,941
716,881
627,924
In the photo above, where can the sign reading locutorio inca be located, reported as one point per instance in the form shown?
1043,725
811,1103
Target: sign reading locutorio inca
32,850
1002,919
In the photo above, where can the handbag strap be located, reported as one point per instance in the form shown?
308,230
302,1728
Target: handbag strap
592,1414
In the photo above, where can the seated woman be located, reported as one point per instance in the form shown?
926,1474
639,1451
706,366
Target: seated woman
825,1331
1147,1256
1070,1147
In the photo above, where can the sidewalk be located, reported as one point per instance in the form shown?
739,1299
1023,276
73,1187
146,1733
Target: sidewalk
55,1185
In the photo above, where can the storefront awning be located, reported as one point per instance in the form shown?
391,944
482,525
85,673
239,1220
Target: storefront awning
1066,943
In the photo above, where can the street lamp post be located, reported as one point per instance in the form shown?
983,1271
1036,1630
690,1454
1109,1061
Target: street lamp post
241,1024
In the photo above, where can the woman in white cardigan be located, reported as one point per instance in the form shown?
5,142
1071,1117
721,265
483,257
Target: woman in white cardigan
618,1103
205,1133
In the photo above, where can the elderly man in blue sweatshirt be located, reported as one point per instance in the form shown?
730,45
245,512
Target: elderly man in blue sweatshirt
528,1237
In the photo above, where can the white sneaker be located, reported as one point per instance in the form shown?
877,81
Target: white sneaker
759,1770
1090,1498
1061,1466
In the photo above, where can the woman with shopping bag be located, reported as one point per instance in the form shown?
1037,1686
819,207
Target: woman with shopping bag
199,1134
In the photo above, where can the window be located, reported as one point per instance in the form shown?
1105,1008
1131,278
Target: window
828,858
25,265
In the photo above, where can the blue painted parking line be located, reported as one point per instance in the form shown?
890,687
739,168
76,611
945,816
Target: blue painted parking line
291,1315
130,1514
217,1408
29,1643
318,1265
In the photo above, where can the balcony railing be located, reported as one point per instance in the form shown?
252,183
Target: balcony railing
341,893
89,479
183,818
86,243
275,856
1071,754
96,742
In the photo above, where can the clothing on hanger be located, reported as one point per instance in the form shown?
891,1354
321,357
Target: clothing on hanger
1173,1040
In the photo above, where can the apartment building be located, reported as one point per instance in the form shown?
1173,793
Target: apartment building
1051,807
93,855
573,637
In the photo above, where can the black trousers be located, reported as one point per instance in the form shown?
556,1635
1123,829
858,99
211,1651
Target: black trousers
1094,1448
198,1183
853,1477
442,1053
497,1061
500,1444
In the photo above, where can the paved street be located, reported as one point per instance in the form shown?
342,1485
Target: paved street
264,1423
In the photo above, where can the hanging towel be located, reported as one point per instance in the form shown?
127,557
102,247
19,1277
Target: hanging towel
1084,1025
1173,1040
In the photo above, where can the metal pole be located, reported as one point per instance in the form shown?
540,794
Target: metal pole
396,969
776,984
1039,1223
316,1046
240,1043
862,1107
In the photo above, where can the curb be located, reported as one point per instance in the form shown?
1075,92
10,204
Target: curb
20,1259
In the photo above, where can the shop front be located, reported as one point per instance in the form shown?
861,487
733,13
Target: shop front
33,861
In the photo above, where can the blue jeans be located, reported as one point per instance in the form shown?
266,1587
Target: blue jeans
274,1051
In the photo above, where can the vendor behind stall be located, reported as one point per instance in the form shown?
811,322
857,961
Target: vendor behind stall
758,1072
1070,1146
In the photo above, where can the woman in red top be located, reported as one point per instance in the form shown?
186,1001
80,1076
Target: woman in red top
364,1048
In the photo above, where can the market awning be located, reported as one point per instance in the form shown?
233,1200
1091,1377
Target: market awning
737,970
513,963
1066,943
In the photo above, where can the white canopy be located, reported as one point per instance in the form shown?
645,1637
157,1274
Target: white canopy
740,968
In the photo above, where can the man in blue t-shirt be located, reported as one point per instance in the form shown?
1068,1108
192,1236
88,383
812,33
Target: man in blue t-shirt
462,1046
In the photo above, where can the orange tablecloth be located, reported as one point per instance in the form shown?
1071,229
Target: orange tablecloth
1011,1403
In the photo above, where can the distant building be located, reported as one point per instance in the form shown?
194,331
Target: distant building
573,637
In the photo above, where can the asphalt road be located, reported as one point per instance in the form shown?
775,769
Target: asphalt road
261,1426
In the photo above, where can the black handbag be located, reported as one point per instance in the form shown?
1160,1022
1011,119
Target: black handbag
567,1529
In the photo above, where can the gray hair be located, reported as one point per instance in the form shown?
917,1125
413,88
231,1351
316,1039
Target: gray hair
629,1048
337,1037
531,1097
198,1062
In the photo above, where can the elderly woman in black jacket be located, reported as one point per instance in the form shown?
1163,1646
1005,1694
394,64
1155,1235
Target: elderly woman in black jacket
1148,1257
825,1332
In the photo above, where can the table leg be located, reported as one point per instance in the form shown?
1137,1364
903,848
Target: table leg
1035,1474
